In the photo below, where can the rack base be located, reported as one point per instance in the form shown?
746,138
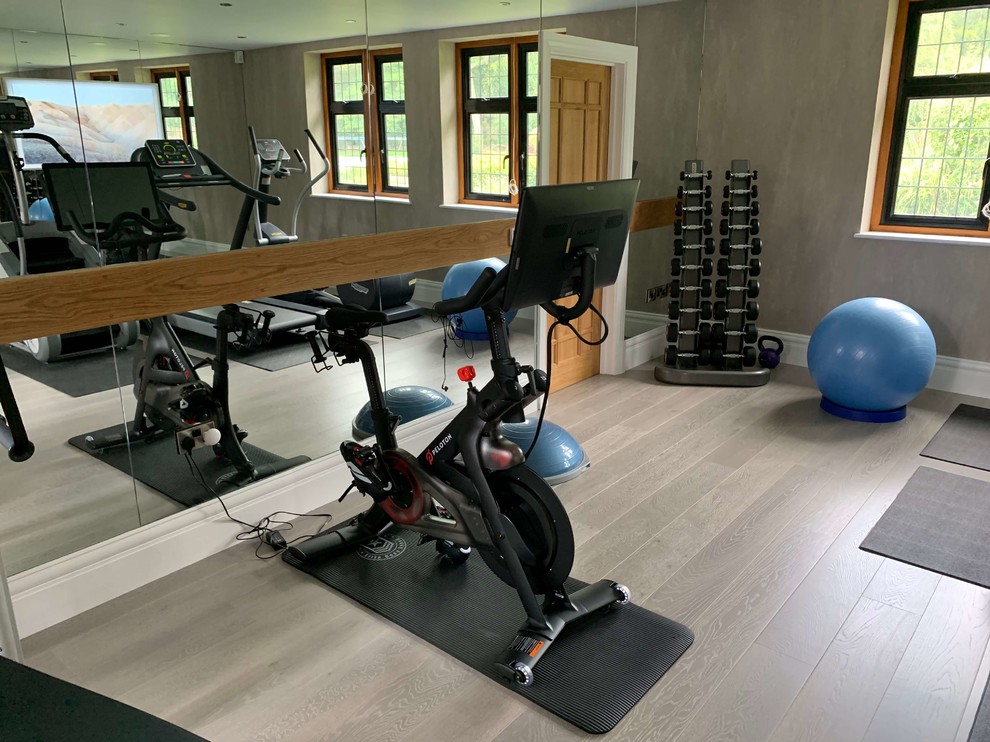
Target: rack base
711,377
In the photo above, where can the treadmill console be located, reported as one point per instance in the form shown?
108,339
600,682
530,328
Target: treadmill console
269,150
15,115
170,153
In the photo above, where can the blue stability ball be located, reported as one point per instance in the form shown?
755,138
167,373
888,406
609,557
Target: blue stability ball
557,456
872,356
41,211
408,402
458,281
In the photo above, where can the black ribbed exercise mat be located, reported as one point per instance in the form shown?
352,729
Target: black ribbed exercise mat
591,676
939,522
964,438
35,706
285,350
76,377
409,327
157,465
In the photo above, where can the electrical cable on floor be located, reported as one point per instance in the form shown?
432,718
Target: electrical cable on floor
263,530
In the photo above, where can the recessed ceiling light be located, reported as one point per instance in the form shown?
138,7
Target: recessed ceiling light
226,5
30,31
98,43
242,37
350,20
134,50
121,24
160,35
505,4
24,42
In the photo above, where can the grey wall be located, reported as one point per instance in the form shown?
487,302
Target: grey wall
792,85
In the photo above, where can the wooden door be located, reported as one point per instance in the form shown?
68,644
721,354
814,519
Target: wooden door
579,114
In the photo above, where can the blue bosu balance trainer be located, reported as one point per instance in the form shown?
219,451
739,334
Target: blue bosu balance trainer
558,457
407,402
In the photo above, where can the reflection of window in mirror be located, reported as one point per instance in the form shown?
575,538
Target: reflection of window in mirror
178,115
366,134
498,121
105,76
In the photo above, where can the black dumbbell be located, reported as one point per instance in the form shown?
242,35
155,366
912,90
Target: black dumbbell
753,266
682,192
680,209
726,246
708,246
672,355
677,266
749,334
753,192
753,208
707,175
705,287
704,311
751,311
704,333
748,356
680,228
757,247
723,289
753,226
729,175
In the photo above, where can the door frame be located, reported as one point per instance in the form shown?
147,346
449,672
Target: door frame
622,58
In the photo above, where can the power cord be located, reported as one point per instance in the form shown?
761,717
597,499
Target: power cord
268,531
546,397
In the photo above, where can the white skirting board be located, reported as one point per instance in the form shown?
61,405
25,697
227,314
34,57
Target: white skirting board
58,590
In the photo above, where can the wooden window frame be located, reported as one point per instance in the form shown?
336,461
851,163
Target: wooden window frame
373,111
185,112
901,87
518,106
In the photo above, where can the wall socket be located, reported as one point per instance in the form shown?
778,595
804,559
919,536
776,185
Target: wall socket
657,292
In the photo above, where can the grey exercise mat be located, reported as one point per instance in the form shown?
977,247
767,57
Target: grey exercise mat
284,351
980,731
963,439
939,522
408,328
591,676
157,465
75,377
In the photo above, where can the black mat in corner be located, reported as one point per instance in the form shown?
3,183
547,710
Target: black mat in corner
76,377
157,465
284,351
592,676
964,438
981,725
939,522
35,706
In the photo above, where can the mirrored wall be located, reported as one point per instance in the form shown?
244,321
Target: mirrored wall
354,119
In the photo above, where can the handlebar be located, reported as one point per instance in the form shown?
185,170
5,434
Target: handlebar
48,140
484,289
126,230
13,436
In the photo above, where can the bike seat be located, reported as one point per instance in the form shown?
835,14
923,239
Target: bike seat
349,317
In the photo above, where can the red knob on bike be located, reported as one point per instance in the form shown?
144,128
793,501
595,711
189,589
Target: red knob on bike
466,373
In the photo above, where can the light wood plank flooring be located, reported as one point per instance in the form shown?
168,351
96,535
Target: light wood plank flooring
736,512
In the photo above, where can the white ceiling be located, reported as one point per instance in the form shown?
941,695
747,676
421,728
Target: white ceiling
107,30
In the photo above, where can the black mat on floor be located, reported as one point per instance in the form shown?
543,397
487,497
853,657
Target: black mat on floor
410,327
35,706
964,438
157,465
76,377
591,676
939,522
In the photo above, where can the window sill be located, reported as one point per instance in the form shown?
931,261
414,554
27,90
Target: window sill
393,200
942,239
344,197
507,210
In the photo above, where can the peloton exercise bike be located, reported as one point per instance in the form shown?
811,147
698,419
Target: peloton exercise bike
127,213
468,490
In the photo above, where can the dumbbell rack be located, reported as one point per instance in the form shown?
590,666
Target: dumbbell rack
713,343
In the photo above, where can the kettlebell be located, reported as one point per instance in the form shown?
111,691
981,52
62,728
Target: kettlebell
770,356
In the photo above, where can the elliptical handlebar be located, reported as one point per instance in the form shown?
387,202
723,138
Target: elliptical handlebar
324,171
47,140
215,167
13,435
